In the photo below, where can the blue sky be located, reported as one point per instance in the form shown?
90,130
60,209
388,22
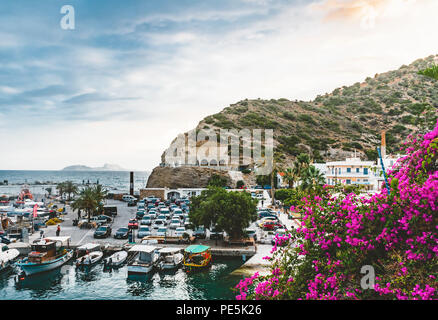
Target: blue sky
133,74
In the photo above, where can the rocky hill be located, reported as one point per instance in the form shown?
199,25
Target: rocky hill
333,125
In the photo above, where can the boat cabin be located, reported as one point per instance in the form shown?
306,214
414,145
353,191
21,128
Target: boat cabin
146,254
42,251
197,256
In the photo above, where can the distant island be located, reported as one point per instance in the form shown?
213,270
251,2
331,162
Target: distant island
106,167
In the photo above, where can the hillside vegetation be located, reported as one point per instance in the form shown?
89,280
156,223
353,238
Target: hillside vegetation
333,125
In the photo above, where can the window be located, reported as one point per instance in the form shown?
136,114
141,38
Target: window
365,170
357,170
348,181
348,170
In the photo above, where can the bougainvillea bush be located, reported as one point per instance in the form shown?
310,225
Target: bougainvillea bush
396,234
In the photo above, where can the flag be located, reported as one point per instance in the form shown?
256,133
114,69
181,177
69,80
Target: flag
35,208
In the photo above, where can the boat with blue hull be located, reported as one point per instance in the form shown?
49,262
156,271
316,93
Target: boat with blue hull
46,256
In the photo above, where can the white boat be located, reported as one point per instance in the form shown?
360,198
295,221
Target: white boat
7,258
170,258
145,261
116,259
89,259
45,256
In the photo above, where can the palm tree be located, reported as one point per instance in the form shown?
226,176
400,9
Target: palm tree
289,177
70,188
312,178
90,200
61,188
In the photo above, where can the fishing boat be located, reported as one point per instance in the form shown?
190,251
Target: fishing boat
7,258
197,257
45,255
115,260
170,258
89,259
146,259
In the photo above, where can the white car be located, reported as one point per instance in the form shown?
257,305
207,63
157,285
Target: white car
260,196
175,223
128,198
159,223
162,232
180,231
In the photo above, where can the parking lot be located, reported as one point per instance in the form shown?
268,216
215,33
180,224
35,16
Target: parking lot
124,214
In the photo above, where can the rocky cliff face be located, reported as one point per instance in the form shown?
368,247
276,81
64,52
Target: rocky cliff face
183,177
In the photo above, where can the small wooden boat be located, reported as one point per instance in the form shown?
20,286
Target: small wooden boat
146,259
115,260
197,257
89,259
170,258
45,256
7,258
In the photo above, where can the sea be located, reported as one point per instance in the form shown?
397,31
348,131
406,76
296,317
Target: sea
38,181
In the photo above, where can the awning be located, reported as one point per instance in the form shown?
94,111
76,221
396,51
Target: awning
196,248
61,239
142,248
89,246
170,250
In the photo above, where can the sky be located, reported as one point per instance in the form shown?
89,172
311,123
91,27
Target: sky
132,74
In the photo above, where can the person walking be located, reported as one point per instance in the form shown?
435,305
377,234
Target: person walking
58,230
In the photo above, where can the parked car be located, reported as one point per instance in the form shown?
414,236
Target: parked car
271,225
266,219
279,232
133,224
180,231
4,239
162,232
152,214
143,232
139,214
200,233
215,234
175,223
159,223
132,203
252,233
146,221
121,233
103,218
102,232
110,211
128,198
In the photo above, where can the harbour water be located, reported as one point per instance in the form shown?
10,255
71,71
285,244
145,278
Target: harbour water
113,180
96,284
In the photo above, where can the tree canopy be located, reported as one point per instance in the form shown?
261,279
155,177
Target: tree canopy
231,212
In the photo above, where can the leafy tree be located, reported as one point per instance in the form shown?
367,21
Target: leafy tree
240,184
229,211
217,181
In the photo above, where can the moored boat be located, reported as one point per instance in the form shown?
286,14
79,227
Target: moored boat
89,259
45,255
170,258
197,257
7,258
145,261
115,260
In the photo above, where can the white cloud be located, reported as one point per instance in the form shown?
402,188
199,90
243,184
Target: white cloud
295,54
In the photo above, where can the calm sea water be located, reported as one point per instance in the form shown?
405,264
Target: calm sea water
113,180
69,283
